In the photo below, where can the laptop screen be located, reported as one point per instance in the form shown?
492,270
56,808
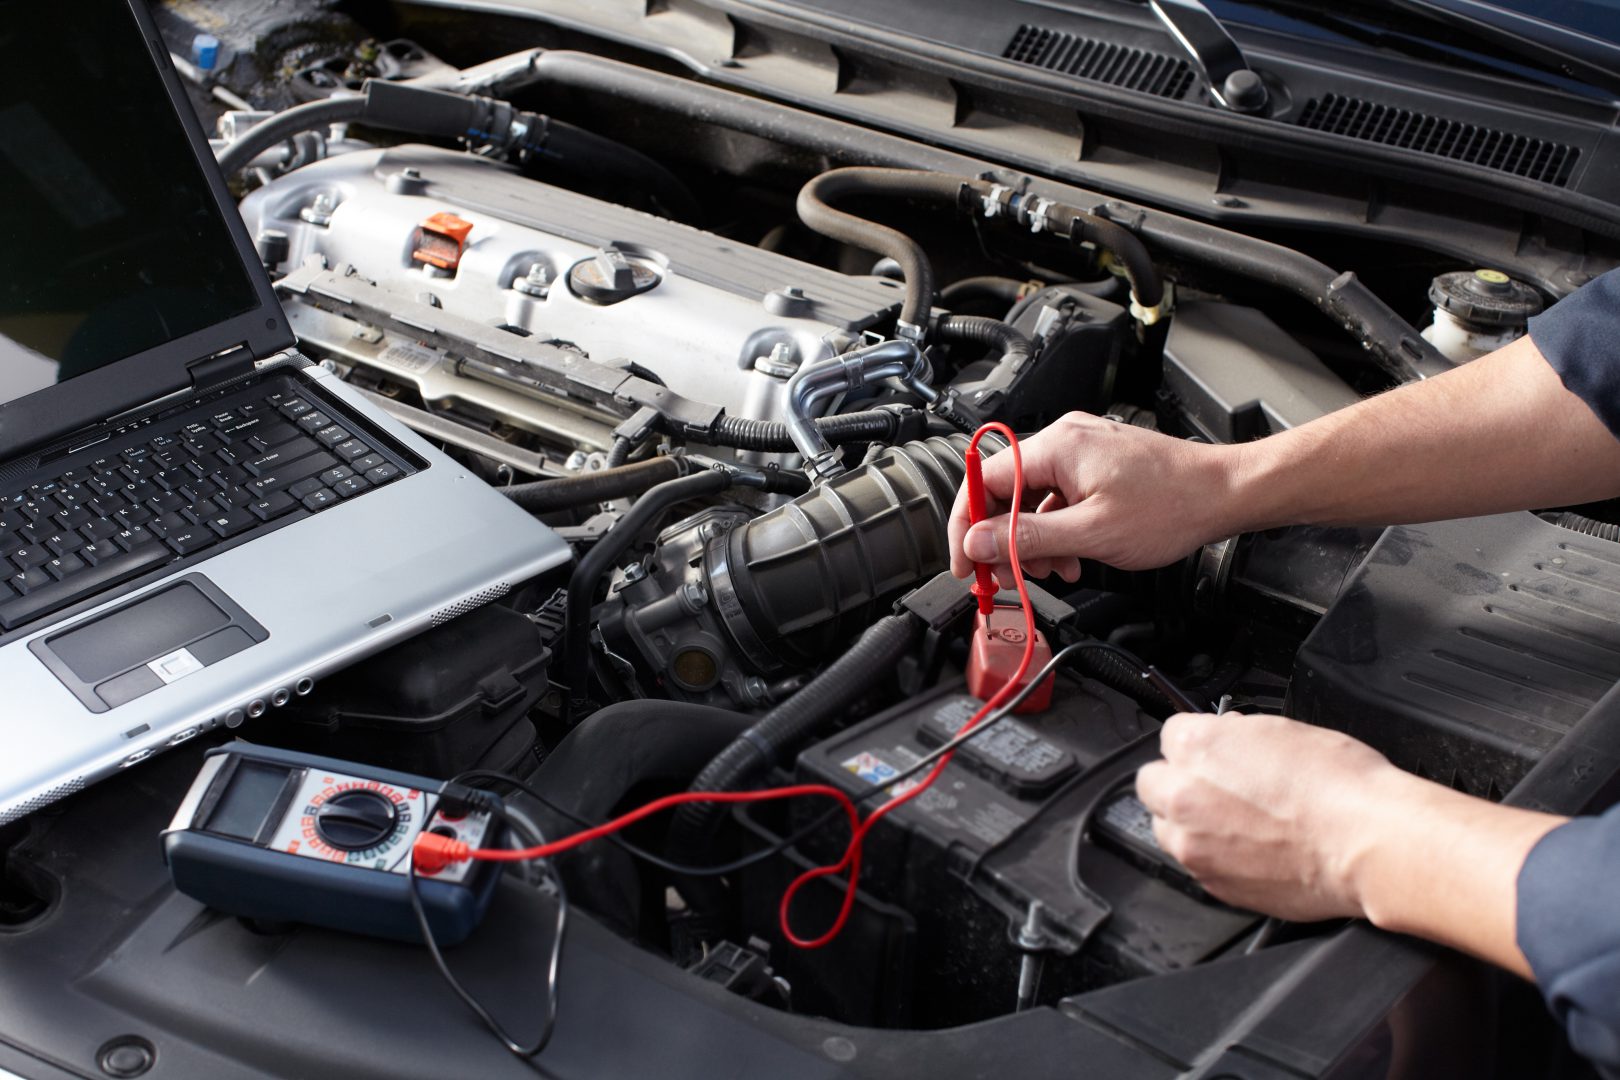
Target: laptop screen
111,243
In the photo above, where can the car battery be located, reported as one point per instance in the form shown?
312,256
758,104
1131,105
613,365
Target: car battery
1038,810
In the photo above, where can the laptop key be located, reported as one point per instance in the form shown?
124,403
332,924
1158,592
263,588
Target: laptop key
104,506
233,498
199,490
30,556
29,580
73,496
314,421
229,476
354,485
382,473
9,543
231,522
42,595
99,552
280,455
331,476
269,436
295,407
351,450
191,538
62,543
317,500
305,486
199,511
98,530
64,565
272,505
164,524
166,503
331,436
132,515
134,537
72,519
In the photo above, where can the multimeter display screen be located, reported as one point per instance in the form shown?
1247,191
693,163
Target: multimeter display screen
249,797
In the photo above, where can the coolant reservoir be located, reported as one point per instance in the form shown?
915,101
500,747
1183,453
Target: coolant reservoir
1478,311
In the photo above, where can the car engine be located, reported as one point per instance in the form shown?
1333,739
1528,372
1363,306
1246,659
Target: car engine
737,367
754,447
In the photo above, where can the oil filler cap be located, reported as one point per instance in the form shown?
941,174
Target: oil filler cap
1485,298
610,276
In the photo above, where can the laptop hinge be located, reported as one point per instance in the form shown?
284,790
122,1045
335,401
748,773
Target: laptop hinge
219,368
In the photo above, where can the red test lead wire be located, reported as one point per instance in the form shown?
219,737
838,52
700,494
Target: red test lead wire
432,852
984,585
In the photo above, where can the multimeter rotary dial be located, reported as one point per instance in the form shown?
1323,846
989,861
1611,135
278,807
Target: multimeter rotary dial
356,820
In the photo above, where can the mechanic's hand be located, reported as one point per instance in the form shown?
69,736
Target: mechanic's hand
1268,813
1103,490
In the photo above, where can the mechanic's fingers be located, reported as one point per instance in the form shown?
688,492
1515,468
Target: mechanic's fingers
1049,461
1186,734
1153,783
957,525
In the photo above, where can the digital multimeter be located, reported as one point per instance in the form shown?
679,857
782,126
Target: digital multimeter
272,834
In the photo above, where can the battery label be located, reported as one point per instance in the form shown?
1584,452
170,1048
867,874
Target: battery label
871,768
953,802
1128,818
1011,752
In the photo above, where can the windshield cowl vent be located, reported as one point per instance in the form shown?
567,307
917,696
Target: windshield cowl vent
1521,155
1101,61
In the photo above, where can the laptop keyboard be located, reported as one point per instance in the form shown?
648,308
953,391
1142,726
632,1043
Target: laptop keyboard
195,482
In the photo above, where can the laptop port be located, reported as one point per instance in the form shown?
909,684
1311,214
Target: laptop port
280,697
256,708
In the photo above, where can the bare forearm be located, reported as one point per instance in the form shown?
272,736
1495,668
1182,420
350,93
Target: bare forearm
1501,433
1440,865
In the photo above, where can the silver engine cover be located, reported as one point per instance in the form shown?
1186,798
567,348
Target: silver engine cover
724,323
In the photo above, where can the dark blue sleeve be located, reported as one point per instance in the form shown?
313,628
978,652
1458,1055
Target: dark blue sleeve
1569,930
1580,337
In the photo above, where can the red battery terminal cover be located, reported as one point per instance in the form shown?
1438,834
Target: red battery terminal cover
997,649
440,240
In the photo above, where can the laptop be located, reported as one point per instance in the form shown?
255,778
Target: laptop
196,523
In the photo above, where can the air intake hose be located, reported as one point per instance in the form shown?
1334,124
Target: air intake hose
794,582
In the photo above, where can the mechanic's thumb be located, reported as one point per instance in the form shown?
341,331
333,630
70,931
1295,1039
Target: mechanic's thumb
986,542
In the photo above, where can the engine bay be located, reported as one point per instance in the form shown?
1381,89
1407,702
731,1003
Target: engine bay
736,362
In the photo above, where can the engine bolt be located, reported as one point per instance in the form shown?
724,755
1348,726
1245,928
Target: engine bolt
319,212
536,283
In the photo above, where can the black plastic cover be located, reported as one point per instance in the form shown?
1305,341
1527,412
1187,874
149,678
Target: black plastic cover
1466,649
1238,376
449,699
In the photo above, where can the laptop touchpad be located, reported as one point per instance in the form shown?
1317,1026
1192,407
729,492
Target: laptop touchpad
122,654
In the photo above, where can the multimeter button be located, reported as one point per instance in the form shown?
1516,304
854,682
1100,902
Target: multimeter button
355,820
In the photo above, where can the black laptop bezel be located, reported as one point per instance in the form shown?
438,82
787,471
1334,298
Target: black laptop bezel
91,399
